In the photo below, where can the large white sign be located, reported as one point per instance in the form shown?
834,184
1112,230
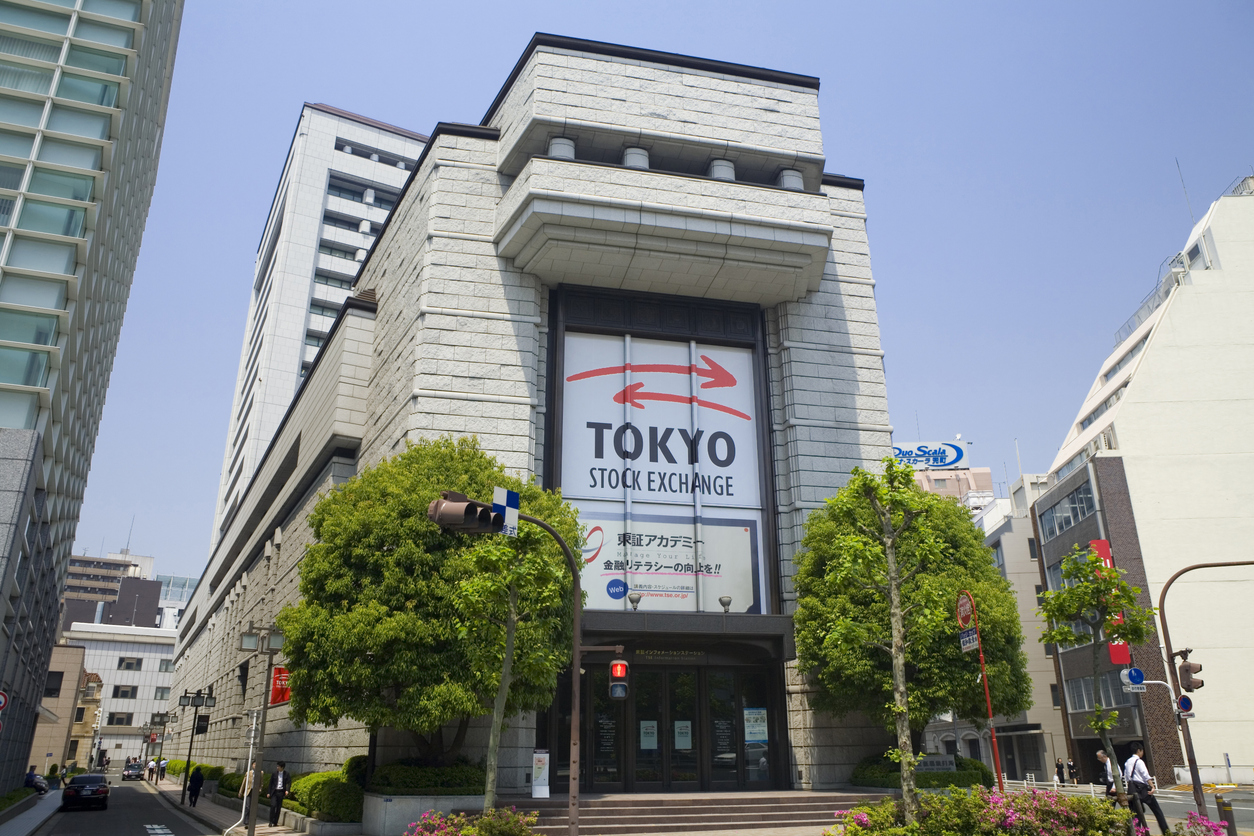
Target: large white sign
660,454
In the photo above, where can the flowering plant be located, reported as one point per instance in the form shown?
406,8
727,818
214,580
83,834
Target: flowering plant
982,812
434,823
1199,825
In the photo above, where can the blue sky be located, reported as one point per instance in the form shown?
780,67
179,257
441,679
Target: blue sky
1020,162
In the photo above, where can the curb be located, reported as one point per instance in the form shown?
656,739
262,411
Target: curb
188,812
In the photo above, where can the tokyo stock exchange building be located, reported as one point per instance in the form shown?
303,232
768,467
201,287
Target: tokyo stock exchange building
635,281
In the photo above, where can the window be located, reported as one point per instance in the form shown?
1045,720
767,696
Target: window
79,713
333,281
68,153
15,145
1032,549
88,90
60,184
1080,692
100,62
119,719
52,685
1125,359
24,78
1072,463
314,340
26,48
21,112
1053,695
125,692
129,663
323,310
345,191
102,33
999,558
11,178
121,9
25,368
162,694
338,252
165,666
51,218
1050,649
31,19
1068,511
342,223
940,484
1040,595
73,750
1102,407
78,122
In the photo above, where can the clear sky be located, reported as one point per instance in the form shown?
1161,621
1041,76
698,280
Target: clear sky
1021,188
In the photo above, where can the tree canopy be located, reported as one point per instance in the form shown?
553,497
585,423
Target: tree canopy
385,632
842,619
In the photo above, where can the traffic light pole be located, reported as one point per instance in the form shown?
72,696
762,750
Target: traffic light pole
576,658
1199,798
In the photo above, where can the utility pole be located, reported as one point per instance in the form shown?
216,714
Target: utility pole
268,641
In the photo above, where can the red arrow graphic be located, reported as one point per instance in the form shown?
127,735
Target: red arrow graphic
634,396
718,376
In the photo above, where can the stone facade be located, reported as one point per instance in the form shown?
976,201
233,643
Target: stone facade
460,283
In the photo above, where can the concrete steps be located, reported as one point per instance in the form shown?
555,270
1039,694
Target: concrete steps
611,815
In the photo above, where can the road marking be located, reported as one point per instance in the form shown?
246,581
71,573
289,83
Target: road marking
158,830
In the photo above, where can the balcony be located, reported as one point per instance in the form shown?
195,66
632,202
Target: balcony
575,222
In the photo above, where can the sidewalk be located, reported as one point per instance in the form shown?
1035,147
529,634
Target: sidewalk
214,816
32,819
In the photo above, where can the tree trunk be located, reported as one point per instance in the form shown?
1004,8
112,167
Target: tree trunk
1116,770
901,708
498,708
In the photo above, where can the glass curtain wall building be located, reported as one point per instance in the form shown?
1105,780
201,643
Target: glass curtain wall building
84,86
342,177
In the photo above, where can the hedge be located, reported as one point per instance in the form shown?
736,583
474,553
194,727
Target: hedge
403,779
211,773
332,796
879,771
229,784
14,796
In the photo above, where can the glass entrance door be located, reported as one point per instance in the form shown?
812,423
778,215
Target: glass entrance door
724,748
649,729
606,734
682,727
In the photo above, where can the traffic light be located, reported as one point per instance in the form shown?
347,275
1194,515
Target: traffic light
1187,679
454,512
618,679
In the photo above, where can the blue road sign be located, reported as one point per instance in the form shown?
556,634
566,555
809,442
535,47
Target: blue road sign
1136,676
1185,703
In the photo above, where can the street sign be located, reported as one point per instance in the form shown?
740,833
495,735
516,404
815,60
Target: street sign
965,610
202,724
4,700
1135,676
1187,715
968,640
1185,703
505,503
1134,689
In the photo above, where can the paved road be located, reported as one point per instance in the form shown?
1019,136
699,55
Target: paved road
134,810
1242,807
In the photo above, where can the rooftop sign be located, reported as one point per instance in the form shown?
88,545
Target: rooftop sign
929,454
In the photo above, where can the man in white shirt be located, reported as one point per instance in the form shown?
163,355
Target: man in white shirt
1107,777
1137,777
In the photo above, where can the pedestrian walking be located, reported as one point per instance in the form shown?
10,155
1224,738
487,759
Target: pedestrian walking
245,789
161,768
1108,777
1072,773
1060,774
1139,787
280,782
194,783
152,770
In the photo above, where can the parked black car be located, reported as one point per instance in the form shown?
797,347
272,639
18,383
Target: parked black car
133,771
90,790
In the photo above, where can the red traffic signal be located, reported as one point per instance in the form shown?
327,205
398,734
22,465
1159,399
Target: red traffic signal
455,512
1188,681
618,679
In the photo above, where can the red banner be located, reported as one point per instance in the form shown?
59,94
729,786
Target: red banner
1120,653
279,690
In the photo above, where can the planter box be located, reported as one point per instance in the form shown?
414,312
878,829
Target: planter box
333,828
390,815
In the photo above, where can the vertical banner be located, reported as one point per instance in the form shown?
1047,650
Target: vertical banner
279,690
660,455
540,773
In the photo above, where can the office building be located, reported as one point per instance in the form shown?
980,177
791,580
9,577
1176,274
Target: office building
66,678
176,591
1153,473
98,578
135,667
342,177
85,722
537,266
83,92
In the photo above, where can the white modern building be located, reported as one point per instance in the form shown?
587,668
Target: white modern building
343,175
1156,466
176,591
83,92
637,263
135,665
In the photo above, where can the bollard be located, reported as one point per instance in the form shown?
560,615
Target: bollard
1226,815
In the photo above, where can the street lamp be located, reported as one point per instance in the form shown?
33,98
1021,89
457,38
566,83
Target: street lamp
159,720
267,640
196,701
147,729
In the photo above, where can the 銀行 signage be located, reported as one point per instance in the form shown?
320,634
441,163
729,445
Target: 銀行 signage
660,454
929,454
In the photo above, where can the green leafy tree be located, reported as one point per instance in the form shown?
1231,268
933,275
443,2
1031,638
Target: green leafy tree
1095,600
379,635
877,583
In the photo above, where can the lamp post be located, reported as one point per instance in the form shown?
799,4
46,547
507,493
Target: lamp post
267,640
160,719
147,729
195,700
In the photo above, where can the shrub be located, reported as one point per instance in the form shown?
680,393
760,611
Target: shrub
401,779
211,773
1199,825
78,770
987,778
14,796
330,795
434,823
295,807
502,822
230,783
879,771
979,812
176,767
355,770
54,771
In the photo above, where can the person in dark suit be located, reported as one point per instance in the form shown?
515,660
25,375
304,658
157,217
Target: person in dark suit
280,783
194,784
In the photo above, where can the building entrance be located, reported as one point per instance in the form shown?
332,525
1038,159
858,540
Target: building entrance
681,730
